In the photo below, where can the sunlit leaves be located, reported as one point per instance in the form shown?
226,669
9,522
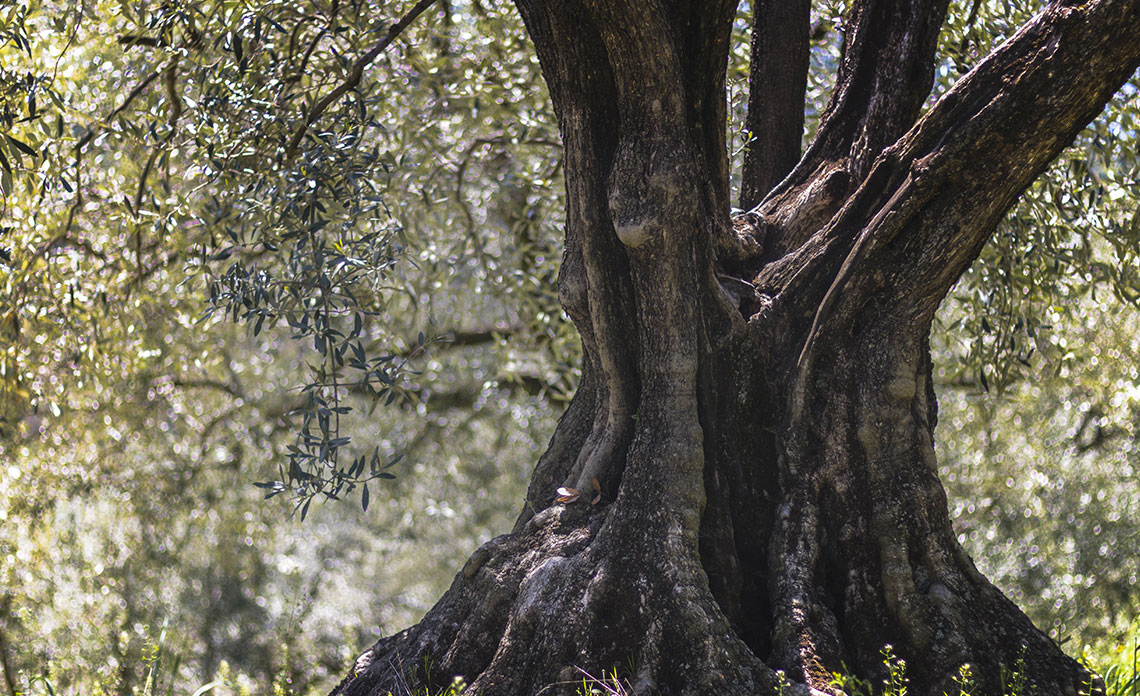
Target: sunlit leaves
1045,323
1071,235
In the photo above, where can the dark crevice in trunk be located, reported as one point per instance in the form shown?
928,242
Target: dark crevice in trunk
742,487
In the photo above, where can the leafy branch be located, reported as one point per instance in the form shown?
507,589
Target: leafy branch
355,74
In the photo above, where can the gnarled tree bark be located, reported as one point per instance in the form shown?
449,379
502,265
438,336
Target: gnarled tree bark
753,434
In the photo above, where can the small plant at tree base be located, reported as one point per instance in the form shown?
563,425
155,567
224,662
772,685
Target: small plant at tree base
965,681
1013,682
844,682
896,672
457,686
781,682
609,685
894,685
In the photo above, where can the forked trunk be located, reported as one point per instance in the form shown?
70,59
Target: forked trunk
750,453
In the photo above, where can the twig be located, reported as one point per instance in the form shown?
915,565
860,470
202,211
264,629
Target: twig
355,74
91,133
206,383
119,109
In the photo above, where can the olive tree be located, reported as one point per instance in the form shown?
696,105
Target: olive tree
744,482
745,479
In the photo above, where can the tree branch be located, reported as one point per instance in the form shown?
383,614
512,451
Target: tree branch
777,83
355,74
131,40
885,74
87,137
204,383
464,398
134,94
933,199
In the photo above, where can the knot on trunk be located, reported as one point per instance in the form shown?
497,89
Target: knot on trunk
645,186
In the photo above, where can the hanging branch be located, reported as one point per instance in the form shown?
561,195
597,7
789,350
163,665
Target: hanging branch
355,74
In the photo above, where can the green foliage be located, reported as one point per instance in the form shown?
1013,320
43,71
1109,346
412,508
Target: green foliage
133,424
1042,478
316,234
1074,234
1117,662
1121,678
187,181
1035,365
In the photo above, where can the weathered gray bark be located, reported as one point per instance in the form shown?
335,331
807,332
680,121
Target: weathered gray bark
756,404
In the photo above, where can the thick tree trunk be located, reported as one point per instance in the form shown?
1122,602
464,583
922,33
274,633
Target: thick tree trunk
751,445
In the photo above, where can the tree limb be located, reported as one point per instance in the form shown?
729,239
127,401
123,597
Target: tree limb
933,199
884,76
355,74
777,83
1001,126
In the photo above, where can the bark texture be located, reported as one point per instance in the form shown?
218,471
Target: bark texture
752,439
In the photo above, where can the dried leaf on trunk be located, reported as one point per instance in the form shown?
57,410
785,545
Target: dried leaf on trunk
567,494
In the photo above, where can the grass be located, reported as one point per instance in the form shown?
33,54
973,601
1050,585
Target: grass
1118,666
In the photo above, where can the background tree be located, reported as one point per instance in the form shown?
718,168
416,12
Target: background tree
136,428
